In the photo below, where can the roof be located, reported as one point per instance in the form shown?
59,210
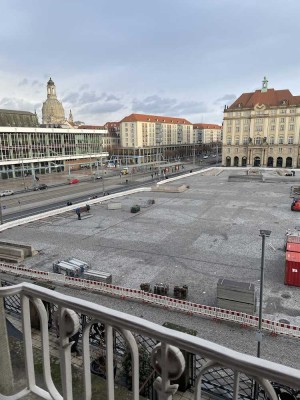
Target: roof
270,97
155,118
2,110
112,124
207,126
91,127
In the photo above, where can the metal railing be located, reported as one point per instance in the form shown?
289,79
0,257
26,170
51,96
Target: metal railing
166,358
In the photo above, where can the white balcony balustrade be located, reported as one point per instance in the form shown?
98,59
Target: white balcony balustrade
168,362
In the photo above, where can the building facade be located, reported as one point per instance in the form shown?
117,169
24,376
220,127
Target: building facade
140,130
24,150
262,128
207,133
18,118
52,110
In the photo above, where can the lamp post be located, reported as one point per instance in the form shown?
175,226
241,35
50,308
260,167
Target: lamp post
263,233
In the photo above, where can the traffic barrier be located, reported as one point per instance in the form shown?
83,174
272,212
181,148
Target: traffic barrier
273,327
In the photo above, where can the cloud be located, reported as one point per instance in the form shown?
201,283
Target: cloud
100,108
80,99
23,82
84,87
168,106
226,98
37,83
13,103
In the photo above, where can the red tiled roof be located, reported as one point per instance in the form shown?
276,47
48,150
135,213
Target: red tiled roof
207,126
270,98
112,124
155,118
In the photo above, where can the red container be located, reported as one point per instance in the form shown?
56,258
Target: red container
292,269
293,239
295,247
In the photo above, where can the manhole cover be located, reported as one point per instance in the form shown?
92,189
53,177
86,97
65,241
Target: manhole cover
284,321
286,295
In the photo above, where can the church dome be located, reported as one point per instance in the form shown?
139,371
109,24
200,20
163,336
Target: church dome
52,110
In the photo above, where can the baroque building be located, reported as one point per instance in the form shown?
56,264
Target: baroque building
262,128
18,118
52,110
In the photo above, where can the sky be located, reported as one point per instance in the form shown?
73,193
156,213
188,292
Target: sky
177,58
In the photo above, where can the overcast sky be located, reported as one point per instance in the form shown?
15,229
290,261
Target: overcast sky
181,58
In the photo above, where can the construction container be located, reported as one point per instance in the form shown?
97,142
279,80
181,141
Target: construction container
78,263
145,287
65,268
292,269
94,275
237,296
293,247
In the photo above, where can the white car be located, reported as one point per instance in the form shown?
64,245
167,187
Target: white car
204,157
6,193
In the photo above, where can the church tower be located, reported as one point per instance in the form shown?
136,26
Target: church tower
52,110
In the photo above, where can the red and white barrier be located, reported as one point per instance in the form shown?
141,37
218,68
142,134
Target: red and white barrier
273,327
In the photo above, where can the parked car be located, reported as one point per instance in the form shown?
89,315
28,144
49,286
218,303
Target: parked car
204,157
295,205
41,186
71,181
98,177
6,193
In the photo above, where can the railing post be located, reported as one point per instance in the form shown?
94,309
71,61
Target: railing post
6,375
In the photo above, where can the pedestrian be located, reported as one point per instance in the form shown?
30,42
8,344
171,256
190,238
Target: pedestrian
19,202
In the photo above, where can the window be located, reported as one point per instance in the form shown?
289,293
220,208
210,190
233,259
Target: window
246,121
273,112
228,150
229,129
257,140
237,140
282,127
293,111
283,111
282,120
272,120
291,127
237,129
272,140
245,140
279,149
229,141
246,128
229,123
237,150
272,127
271,150
237,122
292,119
259,121
290,140
280,141
258,128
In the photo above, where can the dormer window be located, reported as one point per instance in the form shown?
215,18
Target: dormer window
284,102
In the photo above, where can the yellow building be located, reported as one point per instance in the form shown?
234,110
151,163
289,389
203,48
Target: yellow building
140,130
261,128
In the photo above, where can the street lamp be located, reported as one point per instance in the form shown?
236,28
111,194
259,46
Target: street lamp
262,233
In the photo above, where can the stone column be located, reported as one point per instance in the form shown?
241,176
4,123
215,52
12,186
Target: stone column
6,375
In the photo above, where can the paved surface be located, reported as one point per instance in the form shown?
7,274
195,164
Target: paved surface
208,232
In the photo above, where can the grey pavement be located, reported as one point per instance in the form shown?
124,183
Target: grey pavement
208,232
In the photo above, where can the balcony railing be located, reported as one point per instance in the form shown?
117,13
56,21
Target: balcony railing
168,362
